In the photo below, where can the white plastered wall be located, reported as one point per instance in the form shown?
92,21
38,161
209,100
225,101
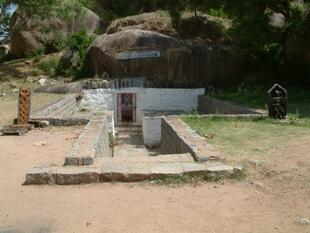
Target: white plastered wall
148,99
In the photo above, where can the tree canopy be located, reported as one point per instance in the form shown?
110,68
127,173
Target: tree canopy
44,9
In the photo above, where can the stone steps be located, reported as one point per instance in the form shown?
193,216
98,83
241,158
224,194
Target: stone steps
128,172
174,158
131,129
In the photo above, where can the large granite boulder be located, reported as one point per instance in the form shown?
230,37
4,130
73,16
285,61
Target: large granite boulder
209,28
40,34
163,60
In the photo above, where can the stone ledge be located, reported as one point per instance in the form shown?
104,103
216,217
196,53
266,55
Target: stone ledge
71,121
78,161
74,176
93,142
62,176
178,137
114,172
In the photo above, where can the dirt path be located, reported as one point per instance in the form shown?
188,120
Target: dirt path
273,197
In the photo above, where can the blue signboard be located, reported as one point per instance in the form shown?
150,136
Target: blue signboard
137,55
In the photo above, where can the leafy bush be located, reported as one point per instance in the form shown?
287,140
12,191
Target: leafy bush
78,43
49,66
35,53
59,43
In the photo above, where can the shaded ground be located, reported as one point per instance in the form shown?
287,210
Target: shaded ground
131,144
298,98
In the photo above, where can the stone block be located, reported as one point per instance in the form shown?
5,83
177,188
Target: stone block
193,168
78,161
75,175
39,176
123,172
220,170
165,170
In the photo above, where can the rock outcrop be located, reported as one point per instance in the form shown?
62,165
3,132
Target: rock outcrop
164,60
209,28
41,34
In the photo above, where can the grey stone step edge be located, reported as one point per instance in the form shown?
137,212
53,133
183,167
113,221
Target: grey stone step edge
88,175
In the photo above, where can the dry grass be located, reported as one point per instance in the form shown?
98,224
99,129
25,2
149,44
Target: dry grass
13,75
8,105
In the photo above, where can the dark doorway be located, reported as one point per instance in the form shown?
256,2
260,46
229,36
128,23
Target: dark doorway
126,107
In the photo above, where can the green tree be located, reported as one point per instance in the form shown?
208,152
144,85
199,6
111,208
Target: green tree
122,8
266,42
43,9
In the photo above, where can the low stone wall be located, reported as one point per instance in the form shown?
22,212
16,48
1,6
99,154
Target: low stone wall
178,138
210,105
64,107
92,143
62,113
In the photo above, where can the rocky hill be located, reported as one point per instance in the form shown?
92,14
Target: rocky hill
189,55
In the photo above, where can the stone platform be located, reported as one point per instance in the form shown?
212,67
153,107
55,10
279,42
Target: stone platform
132,162
90,160
127,172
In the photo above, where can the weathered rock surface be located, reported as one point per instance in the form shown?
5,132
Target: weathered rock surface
42,33
127,54
74,87
154,21
208,28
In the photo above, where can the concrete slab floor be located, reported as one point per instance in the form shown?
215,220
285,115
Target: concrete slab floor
131,145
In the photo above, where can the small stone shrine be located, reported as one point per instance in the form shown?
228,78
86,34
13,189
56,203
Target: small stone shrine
277,102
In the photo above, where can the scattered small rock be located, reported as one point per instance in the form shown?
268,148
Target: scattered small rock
209,136
257,184
304,221
42,80
28,62
13,85
256,162
239,168
44,124
31,79
88,223
15,90
2,94
40,143
67,80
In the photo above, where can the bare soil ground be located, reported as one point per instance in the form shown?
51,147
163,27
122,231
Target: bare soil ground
271,199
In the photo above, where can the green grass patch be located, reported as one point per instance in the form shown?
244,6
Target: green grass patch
239,138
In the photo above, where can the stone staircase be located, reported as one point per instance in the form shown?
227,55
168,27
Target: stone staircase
129,129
